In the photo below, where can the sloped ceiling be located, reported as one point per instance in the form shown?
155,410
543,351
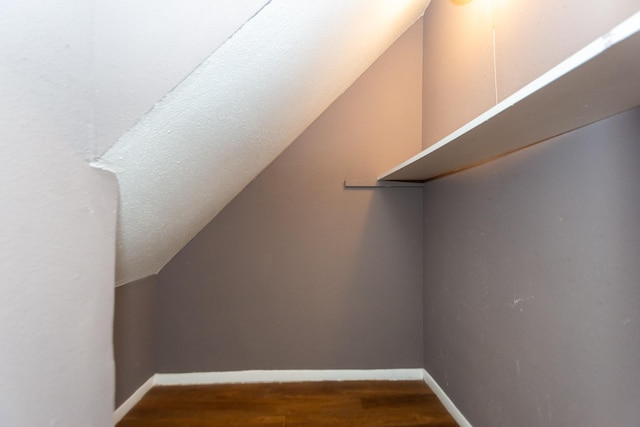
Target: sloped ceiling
144,49
214,133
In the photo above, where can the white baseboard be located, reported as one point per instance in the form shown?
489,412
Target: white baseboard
289,376
448,403
122,410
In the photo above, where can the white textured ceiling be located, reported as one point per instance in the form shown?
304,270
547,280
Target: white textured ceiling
143,49
187,158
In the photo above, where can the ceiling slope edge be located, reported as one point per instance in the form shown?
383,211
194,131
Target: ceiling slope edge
205,141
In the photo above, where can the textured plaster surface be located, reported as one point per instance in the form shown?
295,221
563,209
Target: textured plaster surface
207,139
143,49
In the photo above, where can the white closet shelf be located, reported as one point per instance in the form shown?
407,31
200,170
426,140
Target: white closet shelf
598,81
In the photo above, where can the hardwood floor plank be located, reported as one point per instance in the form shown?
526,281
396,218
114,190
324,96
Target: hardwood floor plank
349,403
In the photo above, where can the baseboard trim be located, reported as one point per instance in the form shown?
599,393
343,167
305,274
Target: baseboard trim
448,403
289,376
122,410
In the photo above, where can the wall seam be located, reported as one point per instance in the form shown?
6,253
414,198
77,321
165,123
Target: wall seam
493,48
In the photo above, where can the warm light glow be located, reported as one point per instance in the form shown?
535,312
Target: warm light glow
460,2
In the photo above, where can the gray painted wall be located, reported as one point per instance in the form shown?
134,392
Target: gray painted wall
531,282
298,272
478,54
133,335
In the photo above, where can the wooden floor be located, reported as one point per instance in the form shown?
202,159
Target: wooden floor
349,403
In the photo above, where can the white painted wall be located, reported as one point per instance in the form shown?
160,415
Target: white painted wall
143,49
58,224
199,147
